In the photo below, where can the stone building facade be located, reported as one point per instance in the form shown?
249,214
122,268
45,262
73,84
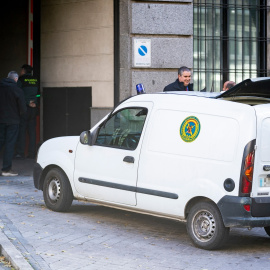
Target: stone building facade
168,25
89,54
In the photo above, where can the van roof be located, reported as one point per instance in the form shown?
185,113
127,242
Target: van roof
194,93
252,91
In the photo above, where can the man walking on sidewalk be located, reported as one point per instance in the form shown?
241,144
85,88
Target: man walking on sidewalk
12,105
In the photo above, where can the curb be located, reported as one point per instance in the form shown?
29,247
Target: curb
8,250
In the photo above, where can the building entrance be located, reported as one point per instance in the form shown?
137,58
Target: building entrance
66,111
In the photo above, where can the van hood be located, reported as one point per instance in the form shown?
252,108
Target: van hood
257,87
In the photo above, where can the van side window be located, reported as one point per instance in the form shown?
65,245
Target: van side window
123,130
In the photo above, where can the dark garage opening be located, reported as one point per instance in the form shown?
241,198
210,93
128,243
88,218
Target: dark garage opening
66,111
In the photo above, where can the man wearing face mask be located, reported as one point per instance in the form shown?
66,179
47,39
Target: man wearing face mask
182,83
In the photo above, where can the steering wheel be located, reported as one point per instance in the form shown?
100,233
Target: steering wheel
130,142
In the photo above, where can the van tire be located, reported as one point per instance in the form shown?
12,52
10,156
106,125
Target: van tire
267,230
205,226
57,192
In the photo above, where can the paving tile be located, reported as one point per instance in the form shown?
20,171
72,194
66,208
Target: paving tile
90,237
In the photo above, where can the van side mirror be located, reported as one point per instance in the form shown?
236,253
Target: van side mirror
85,137
88,137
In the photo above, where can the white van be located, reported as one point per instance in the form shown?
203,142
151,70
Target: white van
198,157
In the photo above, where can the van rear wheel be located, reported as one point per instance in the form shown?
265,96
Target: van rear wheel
205,226
267,230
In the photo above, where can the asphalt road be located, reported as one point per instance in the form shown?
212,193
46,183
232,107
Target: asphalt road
95,237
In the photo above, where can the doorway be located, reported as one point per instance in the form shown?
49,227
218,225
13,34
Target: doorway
66,111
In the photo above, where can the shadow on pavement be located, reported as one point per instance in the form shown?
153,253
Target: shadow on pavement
23,166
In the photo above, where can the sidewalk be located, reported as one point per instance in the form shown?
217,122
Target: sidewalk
17,260
7,249
12,254
93,237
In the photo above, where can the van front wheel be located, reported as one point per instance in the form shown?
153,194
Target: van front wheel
57,191
205,226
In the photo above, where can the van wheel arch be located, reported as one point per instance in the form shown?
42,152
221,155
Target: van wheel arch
44,173
267,230
194,201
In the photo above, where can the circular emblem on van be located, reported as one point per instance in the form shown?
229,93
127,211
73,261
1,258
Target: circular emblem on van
190,129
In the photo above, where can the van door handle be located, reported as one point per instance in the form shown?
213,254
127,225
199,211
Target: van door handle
129,159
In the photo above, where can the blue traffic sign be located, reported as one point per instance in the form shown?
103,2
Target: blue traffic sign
142,50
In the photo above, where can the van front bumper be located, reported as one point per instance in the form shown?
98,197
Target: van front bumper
37,176
234,214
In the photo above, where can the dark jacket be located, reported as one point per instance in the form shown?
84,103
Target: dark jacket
12,102
178,86
29,84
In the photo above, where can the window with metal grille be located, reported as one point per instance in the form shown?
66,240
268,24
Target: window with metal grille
229,42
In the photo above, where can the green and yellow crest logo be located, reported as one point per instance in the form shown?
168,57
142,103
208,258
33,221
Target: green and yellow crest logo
190,129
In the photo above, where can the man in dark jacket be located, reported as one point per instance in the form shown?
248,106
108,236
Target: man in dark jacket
12,105
182,83
29,84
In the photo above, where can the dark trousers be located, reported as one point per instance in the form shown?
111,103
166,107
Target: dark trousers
27,124
8,138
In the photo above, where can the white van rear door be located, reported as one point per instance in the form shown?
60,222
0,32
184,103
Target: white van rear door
261,176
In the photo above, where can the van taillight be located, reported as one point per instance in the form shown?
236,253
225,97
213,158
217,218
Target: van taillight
248,173
247,169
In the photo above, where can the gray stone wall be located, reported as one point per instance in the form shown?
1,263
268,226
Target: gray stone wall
169,27
97,113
